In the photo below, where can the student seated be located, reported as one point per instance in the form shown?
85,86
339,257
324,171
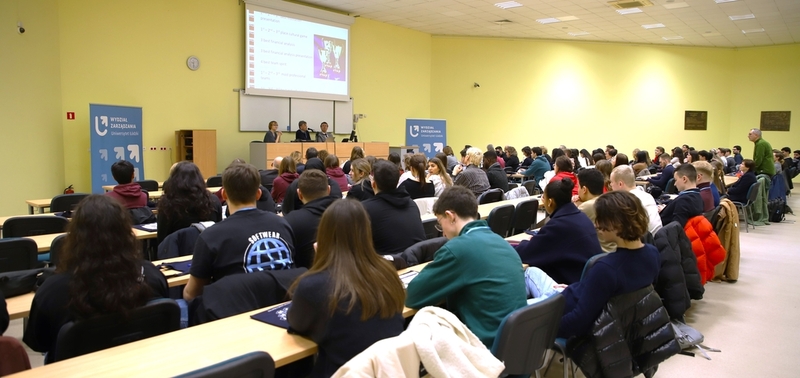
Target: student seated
396,223
437,174
314,191
498,179
249,240
129,193
592,183
356,153
708,191
563,169
417,185
351,297
185,200
469,175
101,271
287,173
566,242
290,200
476,272
738,191
336,174
362,187
622,178
688,204
620,220
667,170
537,166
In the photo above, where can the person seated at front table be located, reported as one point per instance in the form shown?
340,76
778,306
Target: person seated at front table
272,135
302,132
249,240
323,135
418,185
566,242
688,204
185,201
101,271
498,179
538,165
667,171
130,193
476,272
620,220
396,223
351,297
287,173
738,191
708,191
313,190
469,175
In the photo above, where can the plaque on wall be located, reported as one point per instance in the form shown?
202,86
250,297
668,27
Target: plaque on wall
695,120
775,121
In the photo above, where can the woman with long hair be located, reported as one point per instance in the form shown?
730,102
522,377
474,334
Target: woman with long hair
528,152
418,185
335,173
438,176
287,173
563,169
677,157
585,158
641,163
185,201
101,271
511,158
620,159
605,167
356,153
362,187
351,297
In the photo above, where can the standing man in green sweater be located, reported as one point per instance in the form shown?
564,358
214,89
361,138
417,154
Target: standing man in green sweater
762,154
476,272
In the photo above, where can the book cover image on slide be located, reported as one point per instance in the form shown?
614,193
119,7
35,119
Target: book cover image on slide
329,58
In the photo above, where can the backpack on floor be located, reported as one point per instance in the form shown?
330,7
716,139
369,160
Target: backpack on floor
775,209
690,338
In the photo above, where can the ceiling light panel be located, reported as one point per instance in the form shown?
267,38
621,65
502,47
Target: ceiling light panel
578,34
653,26
749,31
508,5
629,11
742,17
550,20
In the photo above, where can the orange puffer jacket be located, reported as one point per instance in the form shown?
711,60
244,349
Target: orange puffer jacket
706,246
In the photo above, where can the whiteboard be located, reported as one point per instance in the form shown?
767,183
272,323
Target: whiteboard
255,112
313,112
343,117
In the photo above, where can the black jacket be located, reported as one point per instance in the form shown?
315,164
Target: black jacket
361,191
687,205
631,336
497,177
738,191
291,202
268,176
671,282
178,243
304,223
396,223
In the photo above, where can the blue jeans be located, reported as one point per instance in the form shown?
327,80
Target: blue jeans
540,286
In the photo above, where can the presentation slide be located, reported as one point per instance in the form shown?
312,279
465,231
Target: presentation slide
290,57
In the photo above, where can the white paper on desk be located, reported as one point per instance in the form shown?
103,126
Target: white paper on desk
149,226
407,277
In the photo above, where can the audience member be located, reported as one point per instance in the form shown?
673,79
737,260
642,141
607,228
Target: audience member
302,132
130,193
476,271
611,155
185,201
592,184
692,157
737,154
620,159
101,271
527,152
778,161
658,152
249,240
666,174
538,166
394,158
623,179
451,159
287,173
291,202
322,155
641,164
269,175
497,176
471,176
511,158
313,190
738,191
438,176
704,155
396,223
546,156
563,168
566,242
677,157
688,204
604,166
417,185
762,153
362,187
708,191
335,173
356,153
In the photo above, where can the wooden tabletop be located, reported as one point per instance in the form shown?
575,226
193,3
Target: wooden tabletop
43,241
154,195
109,188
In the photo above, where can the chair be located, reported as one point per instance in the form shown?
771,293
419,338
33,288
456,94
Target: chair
17,254
671,187
525,335
422,252
214,181
512,185
250,365
752,193
102,332
524,217
55,249
500,218
533,189
148,185
712,216
429,225
491,195
20,227
66,202
425,204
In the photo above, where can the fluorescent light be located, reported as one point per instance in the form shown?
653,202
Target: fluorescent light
742,17
675,5
711,34
578,34
672,38
629,11
723,1
653,26
508,5
550,20
748,31
568,18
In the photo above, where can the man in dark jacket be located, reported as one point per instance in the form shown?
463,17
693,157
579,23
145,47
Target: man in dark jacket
667,171
269,175
496,175
396,223
689,203
314,191
291,202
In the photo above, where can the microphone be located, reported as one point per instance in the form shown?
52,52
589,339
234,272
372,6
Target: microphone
311,130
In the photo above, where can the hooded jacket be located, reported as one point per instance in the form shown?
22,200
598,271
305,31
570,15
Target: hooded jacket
290,200
361,191
671,282
395,219
280,185
130,195
337,175
304,223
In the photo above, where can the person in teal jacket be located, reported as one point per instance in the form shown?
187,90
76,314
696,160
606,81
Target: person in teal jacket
539,166
476,272
762,154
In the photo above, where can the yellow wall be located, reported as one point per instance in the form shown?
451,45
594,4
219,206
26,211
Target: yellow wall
583,95
766,79
391,71
30,105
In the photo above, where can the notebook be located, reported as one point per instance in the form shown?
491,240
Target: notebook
275,316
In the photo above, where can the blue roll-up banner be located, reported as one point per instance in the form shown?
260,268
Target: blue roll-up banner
116,135
429,134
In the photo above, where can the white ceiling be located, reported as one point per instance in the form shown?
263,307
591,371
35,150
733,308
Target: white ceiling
699,22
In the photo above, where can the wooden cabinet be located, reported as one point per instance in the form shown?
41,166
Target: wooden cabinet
199,147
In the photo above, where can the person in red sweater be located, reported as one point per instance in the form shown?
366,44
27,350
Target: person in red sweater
287,173
563,168
336,173
127,192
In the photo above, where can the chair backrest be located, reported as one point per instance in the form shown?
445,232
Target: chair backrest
66,202
512,185
425,204
752,193
250,365
526,334
531,186
590,263
500,218
178,243
148,185
491,195
55,249
671,187
429,225
214,181
20,227
712,215
90,335
524,217
17,254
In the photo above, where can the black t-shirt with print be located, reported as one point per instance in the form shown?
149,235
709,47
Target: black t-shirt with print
249,240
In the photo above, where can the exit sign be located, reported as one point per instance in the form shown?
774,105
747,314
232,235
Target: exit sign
70,115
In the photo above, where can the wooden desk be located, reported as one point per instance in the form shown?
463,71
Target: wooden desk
109,188
19,306
43,241
729,180
4,219
43,203
174,277
518,237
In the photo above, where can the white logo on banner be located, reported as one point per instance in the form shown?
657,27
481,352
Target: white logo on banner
102,120
414,131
